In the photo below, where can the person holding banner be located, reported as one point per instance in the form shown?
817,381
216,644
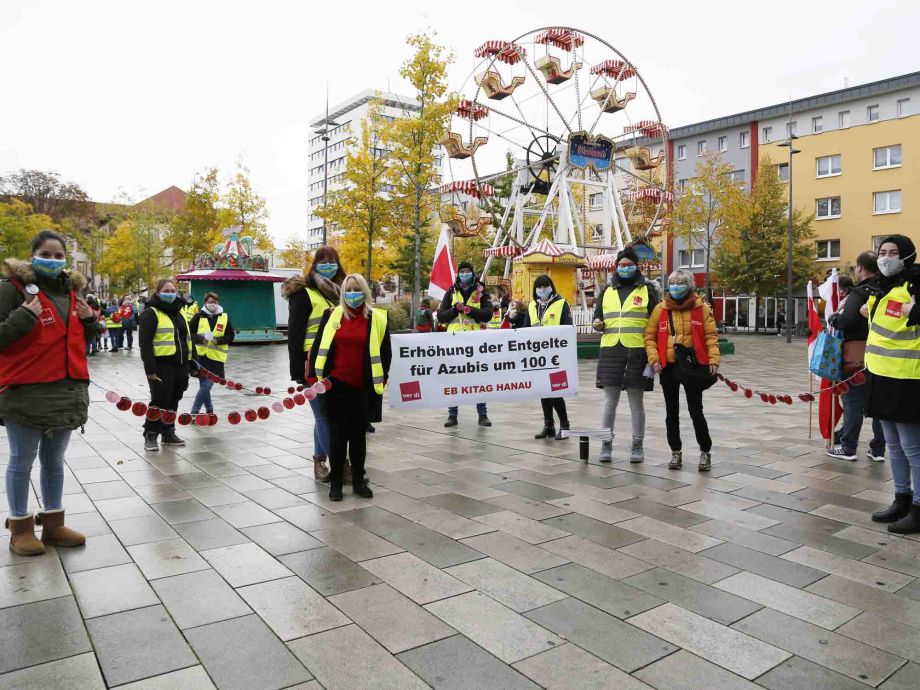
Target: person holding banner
682,323
549,309
466,305
309,297
622,313
212,334
893,358
352,349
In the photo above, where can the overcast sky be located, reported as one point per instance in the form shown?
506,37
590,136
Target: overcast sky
137,95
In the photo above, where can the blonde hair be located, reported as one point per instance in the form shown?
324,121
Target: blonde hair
682,276
363,287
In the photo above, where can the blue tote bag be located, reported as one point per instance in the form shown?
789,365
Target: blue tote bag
827,357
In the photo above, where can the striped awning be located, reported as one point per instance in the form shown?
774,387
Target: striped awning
469,187
561,38
649,128
504,51
506,251
471,111
615,69
602,262
647,194
547,247
231,274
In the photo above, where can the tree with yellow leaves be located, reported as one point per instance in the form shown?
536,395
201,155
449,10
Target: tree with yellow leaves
295,253
17,227
132,255
244,207
197,228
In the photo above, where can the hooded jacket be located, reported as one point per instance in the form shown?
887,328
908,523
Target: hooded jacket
299,308
683,334
448,312
565,319
58,404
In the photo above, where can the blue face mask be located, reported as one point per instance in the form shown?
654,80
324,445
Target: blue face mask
678,292
626,271
544,293
49,268
167,297
466,278
354,299
327,270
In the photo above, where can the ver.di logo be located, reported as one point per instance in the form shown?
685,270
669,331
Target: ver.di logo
558,380
411,390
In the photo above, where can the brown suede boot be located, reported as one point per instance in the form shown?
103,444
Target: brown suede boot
54,531
320,471
23,541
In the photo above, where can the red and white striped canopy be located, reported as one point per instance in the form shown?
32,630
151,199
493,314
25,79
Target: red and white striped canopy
504,51
471,111
547,247
561,38
649,128
647,194
469,187
602,262
615,69
506,251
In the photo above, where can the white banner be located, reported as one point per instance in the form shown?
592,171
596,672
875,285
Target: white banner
444,369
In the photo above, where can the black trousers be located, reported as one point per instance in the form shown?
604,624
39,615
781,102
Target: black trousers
346,410
166,393
557,404
671,387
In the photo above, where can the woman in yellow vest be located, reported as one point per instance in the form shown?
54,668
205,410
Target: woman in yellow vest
165,351
621,313
549,309
212,334
352,349
893,359
309,297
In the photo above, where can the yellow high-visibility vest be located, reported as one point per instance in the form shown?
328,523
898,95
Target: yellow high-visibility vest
318,306
552,315
464,322
111,323
625,323
378,330
210,349
496,321
893,347
165,336
188,311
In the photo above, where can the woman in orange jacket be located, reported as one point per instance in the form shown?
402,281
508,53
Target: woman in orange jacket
683,318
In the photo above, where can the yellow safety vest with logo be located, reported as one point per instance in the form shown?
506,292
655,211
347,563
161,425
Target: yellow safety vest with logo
464,322
378,330
496,321
893,347
210,349
165,337
188,311
551,316
625,323
319,305
111,323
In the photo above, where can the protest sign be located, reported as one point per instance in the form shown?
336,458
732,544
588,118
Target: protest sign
465,368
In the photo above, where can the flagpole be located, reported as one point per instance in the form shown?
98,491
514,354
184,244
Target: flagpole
811,402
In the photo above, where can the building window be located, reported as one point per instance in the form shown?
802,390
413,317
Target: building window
886,202
887,157
744,140
767,135
681,152
782,171
698,258
903,107
791,127
597,233
827,208
877,242
737,176
843,119
723,144
701,148
682,185
817,124
596,200
827,250
695,258
872,113
829,166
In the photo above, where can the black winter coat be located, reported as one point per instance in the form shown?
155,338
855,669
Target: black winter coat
849,321
618,365
299,309
147,326
448,312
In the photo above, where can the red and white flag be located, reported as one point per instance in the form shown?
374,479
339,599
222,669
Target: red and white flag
829,407
814,322
443,270
830,293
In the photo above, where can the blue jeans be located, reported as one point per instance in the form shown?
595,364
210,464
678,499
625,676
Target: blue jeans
25,443
853,414
320,429
904,454
480,410
203,397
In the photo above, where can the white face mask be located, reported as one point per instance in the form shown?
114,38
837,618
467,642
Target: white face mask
212,307
891,265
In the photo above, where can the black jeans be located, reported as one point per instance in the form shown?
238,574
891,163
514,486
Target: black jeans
557,404
346,410
166,393
671,388
129,335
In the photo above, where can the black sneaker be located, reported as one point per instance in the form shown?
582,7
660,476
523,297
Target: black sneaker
170,439
874,456
335,493
364,491
484,420
841,454
150,443
451,421
370,429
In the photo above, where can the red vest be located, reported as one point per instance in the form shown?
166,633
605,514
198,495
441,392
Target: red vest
51,351
696,331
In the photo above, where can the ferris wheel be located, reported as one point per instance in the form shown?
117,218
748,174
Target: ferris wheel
571,120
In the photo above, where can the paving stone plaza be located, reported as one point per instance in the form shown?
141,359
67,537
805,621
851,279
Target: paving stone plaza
486,559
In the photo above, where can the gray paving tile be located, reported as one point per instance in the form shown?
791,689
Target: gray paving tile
669,534
356,543
506,585
32,580
247,514
177,512
328,572
690,565
570,667
309,518
618,643
450,525
672,516
142,530
193,678
122,508
525,529
536,510
111,590
858,571
279,538
801,673
98,552
210,534
165,558
787,572
611,596
291,608
872,599
836,652
600,558
421,582
534,491
79,672
199,598
243,653
245,564
594,509
138,644
774,546
514,552
684,671
461,505
40,632
610,536
366,659
88,524
908,678
458,664
884,634
392,619
110,489
275,497
161,493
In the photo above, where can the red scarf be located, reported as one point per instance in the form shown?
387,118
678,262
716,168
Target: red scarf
696,331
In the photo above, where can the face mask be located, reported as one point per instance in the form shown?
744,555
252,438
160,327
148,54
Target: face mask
327,270
354,299
466,278
626,271
167,297
50,268
678,292
212,307
544,293
890,265
128,302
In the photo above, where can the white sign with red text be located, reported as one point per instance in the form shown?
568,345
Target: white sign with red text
469,367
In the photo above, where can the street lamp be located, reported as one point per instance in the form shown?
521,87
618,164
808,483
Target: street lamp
789,305
324,134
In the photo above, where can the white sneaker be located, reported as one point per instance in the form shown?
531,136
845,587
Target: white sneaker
875,458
